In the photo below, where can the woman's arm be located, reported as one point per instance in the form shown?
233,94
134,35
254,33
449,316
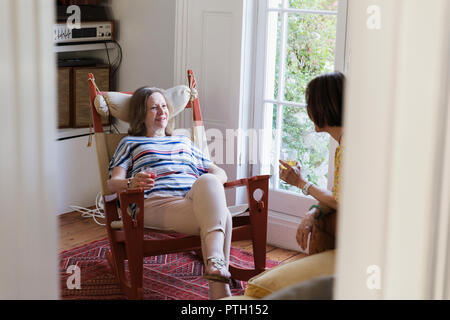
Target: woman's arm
324,196
119,183
293,176
218,172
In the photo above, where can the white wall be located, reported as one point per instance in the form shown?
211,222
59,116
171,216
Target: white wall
146,32
78,178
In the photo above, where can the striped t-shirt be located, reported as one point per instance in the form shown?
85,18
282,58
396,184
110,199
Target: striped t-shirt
175,159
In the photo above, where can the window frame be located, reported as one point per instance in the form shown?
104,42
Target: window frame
284,201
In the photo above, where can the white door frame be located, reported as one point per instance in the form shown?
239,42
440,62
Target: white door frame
392,166
28,221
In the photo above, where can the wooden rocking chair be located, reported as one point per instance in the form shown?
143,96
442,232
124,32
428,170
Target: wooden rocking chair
126,234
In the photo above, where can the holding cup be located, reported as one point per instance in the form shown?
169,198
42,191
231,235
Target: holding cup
149,170
290,158
145,178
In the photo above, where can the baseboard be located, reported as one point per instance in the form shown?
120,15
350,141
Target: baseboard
281,231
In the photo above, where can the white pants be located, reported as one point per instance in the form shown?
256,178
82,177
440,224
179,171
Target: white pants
200,212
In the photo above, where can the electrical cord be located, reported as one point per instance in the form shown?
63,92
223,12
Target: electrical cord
97,213
117,63
114,67
107,53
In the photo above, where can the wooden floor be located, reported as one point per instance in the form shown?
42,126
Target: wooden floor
76,231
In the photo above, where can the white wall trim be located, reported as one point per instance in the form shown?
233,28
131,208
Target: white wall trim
441,266
181,55
246,109
181,23
282,230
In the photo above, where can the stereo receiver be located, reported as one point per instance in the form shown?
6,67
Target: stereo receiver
89,32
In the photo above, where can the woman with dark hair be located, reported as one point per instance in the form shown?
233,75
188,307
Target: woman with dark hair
183,189
324,98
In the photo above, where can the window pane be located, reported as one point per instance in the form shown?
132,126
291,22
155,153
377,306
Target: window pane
328,5
299,142
273,54
309,51
274,124
275,3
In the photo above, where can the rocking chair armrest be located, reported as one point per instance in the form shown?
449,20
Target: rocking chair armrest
244,181
235,183
115,196
132,192
111,205
132,196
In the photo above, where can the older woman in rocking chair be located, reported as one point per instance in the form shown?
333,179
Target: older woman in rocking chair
183,189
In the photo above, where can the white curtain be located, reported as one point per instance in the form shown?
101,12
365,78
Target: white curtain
28,225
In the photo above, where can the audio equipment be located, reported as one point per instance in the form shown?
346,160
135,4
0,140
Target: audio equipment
89,32
79,62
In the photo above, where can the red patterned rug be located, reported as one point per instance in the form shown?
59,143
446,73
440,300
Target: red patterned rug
174,276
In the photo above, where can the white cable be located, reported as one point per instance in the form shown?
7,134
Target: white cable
98,212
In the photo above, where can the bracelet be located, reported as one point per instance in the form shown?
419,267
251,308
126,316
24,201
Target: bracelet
305,189
128,183
320,211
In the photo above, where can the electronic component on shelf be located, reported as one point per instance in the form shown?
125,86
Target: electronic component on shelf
77,62
89,32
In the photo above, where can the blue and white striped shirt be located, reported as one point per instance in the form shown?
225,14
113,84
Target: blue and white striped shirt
176,160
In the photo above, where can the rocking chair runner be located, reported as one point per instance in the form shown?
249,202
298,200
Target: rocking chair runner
126,235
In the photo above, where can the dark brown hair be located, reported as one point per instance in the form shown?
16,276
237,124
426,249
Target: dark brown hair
324,99
138,111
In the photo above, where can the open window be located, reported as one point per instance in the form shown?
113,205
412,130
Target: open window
296,41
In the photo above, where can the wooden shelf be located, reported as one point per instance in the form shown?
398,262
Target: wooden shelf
67,133
71,132
83,47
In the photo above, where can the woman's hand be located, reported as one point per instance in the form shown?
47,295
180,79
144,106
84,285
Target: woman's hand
303,231
292,175
142,180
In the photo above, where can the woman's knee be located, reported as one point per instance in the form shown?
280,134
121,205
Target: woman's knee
209,181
